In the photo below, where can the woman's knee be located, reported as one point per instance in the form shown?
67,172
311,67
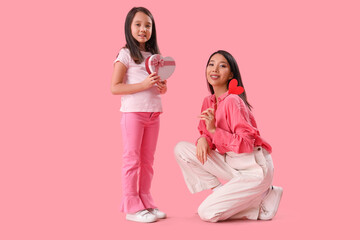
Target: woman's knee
206,214
181,148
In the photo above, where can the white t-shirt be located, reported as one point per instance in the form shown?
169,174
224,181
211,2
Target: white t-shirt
145,101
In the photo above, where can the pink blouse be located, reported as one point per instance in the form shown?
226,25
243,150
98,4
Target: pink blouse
236,129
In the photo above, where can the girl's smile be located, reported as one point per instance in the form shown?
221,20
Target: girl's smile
141,28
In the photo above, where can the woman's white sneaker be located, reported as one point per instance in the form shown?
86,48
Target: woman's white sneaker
143,216
270,203
157,213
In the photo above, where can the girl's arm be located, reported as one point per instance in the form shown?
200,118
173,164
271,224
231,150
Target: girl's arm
162,86
118,87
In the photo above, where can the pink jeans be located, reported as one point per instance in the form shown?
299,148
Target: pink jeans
140,133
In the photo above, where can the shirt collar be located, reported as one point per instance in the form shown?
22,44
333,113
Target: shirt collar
221,98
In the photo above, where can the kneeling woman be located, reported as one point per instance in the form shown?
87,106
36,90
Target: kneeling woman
230,148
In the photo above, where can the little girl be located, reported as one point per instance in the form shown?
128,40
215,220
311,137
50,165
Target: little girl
140,107
242,156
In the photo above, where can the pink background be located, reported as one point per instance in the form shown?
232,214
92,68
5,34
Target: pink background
60,126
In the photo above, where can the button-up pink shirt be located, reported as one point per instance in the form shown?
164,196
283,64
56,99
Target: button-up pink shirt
236,129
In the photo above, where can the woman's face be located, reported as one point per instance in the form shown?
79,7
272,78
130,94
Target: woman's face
141,28
218,71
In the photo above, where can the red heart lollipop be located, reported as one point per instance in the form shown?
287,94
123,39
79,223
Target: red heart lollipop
234,88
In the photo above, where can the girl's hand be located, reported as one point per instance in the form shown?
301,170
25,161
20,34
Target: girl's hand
151,80
209,118
202,150
162,86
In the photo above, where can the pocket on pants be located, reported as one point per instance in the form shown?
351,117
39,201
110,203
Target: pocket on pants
260,159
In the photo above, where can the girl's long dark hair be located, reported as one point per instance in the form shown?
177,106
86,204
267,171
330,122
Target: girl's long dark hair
131,43
235,71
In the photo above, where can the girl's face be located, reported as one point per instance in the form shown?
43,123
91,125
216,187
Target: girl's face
141,28
218,71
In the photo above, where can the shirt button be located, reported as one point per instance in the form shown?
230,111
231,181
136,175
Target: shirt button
259,149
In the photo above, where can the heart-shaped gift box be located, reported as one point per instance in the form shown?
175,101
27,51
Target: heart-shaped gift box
163,66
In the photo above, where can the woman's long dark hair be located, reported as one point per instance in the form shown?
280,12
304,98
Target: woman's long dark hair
235,71
131,43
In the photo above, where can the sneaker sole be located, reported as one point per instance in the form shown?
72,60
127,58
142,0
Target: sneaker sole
135,219
162,217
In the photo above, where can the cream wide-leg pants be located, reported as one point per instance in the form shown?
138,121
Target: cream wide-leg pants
249,177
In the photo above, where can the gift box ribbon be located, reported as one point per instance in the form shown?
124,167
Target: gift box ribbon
158,61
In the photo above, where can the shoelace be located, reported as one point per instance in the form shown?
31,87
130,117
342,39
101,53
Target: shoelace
263,209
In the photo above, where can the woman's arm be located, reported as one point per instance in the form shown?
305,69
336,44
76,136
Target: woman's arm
243,135
202,127
204,142
202,149
118,87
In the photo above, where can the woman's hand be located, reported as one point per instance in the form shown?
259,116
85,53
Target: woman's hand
162,87
202,150
209,117
150,81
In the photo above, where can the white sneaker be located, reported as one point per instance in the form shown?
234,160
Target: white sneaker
270,203
141,216
157,213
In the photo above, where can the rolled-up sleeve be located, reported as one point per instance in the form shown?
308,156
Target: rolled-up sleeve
202,127
242,137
